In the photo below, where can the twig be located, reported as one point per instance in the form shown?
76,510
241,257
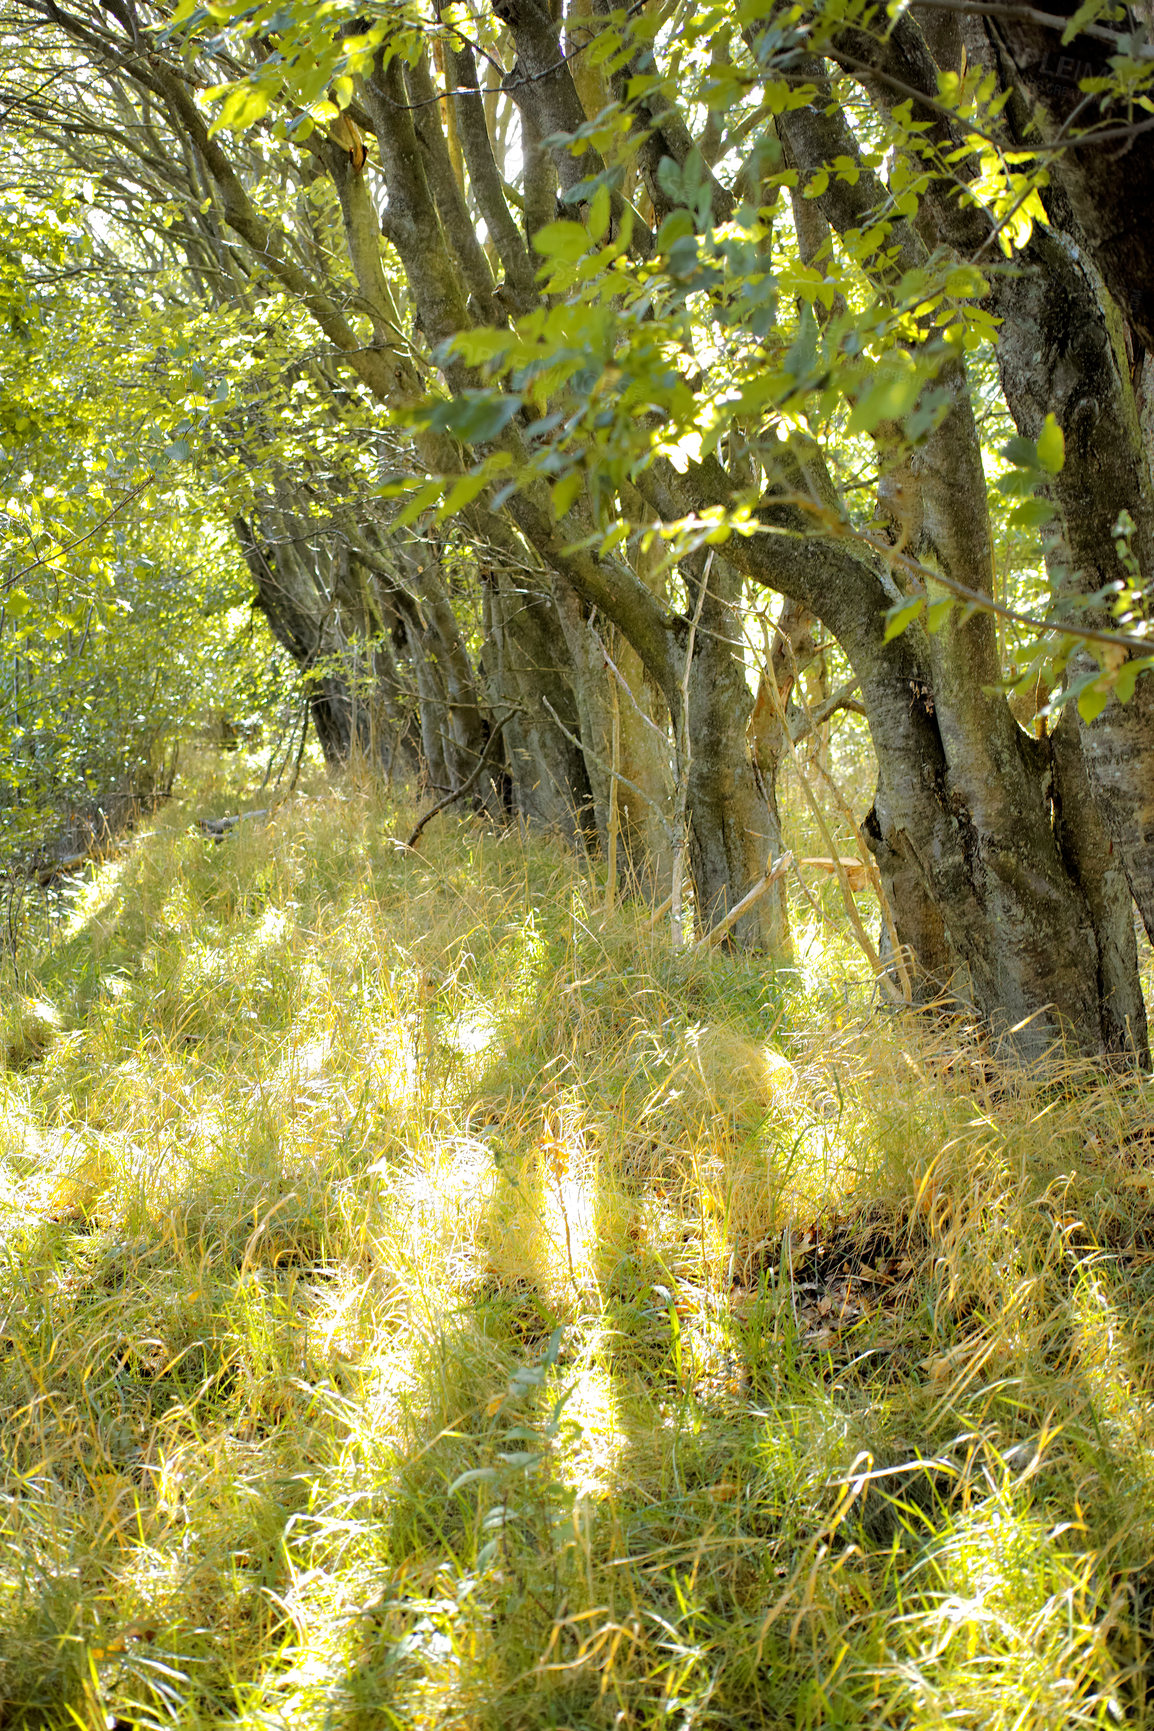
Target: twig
868,863
595,757
1025,15
658,915
216,828
648,720
880,970
715,934
684,761
272,757
816,716
613,818
27,570
465,787
1105,135
301,747
840,529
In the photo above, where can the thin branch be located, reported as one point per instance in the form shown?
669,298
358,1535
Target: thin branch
684,761
10,582
1025,15
1106,135
465,787
811,718
628,690
776,869
925,576
595,757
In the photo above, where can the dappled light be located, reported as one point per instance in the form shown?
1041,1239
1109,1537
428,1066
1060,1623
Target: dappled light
514,1322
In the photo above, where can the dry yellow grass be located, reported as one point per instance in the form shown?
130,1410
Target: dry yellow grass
428,1303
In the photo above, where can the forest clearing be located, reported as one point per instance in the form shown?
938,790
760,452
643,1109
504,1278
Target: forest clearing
431,1301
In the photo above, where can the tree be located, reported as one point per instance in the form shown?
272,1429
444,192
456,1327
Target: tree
122,616
638,313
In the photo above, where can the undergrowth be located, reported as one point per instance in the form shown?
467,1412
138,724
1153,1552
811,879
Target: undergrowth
429,1302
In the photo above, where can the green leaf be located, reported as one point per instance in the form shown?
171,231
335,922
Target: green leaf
1051,447
891,394
1032,514
420,502
599,213
1126,678
1093,700
475,346
802,356
242,107
565,242
565,492
475,1476
1085,14
902,615
677,224
670,181
463,492
1021,452
965,283
475,417
1018,484
937,614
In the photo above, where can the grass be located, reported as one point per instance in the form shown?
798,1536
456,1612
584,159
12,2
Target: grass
426,1302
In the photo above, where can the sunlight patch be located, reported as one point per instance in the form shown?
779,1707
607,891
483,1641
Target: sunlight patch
471,1033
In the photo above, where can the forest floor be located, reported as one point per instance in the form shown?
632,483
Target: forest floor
426,1301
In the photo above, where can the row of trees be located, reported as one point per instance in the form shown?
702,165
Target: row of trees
540,360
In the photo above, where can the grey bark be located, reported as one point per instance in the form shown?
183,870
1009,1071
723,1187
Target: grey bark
527,670
1097,866
730,830
643,791
1109,183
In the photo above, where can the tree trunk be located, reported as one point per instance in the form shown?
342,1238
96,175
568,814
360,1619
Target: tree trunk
527,673
1061,351
606,713
1094,862
959,798
730,831
1109,185
304,624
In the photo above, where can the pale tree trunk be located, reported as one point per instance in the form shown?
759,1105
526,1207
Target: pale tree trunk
1058,354
1097,866
730,830
770,736
620,744
981,852
436,638
1001,868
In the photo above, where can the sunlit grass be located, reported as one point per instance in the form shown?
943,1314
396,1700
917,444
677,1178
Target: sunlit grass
428,1302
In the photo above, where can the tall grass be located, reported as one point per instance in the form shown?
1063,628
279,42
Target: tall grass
429,1303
